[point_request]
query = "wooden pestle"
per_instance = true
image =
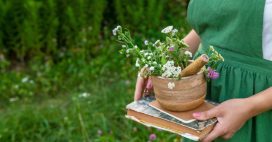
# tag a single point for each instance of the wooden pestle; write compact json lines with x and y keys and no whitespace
{"x":195,"y":66}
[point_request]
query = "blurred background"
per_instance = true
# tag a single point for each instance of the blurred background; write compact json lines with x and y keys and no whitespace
{"x":62,"y":78}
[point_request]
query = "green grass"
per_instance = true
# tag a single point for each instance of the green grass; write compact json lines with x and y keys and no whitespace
{"x":73,"y":100}
{"x":75,"y":117}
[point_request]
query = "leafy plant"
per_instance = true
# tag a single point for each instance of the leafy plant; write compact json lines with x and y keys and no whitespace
{"x":162,"y":58}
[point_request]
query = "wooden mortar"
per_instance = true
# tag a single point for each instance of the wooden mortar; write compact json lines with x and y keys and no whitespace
{"x":187,"y":93}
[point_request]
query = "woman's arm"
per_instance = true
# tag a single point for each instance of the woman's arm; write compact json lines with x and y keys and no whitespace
{"x":260,"y":102}
{"x":192,"y":39}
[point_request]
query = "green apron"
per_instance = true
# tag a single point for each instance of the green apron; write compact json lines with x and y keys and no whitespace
{"x":234,"y":28}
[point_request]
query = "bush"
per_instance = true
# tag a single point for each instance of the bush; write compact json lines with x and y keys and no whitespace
{"x":35,"y":28}
{"x":48,"y":41}
{"x":43,"y":28}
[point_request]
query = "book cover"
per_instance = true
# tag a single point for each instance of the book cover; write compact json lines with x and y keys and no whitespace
{"x":187,"y":116}
{"x":147,"y":112}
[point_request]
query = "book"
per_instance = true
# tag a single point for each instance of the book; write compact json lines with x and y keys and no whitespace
{"x":148,"y":112}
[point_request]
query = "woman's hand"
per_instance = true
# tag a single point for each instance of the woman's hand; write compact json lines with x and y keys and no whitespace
{"x":143,"y":85}
{"x":231,"y":116}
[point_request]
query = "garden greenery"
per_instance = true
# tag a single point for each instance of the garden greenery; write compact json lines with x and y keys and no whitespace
{"x":35,"y":28}
{"x":60,"y":69}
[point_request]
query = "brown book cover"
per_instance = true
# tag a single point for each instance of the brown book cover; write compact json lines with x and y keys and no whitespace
{"x":148,"y":112}
{"x":183,"y":116}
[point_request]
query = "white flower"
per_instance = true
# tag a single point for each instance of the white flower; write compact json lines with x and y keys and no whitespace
{"x":167,"y":29}
{"x":84,"y":95}
{"x":149,"y":57}
{"x":14,"y":99}
{"x":174,"y":32}
{"x":115,"y":30}
{"x":157,"y":43}
{"x":124,"y":46}
{"x":171,"y":85}
{"x":146,"y":54}
{"x":155,"y":63}
{"x":146,"y":42}
{"x":170,"y":71}
{"x":25,"y":79}
{"x":188,"y":53}
{"x":146,"y":65}
{"x":137,"y":64}
{"x":135,"y":46}
{"x":151,"y":68}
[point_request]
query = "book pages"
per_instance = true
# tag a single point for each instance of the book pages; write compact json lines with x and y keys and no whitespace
{"x":142,"y":106}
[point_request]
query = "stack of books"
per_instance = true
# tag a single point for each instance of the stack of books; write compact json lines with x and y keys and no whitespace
{"x":148,"y":112}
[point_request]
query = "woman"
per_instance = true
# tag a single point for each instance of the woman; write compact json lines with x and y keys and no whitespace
{"x":242,"y":32}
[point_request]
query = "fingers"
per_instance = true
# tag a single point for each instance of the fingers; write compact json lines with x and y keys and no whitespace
{"x":216,"y":132}
{"x":149,"y":84}
{"x":228,"y":136}
{"x":206,"y":114}
{"x":139,"y":88}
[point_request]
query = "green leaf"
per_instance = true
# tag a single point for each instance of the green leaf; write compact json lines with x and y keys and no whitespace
{"x":163,"y":60}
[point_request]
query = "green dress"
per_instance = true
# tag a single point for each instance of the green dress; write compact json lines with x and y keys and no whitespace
{"x":234,"y":28}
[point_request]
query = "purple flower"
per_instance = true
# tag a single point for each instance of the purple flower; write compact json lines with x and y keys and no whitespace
{"x":212,"y":74}
{"x":152,"y":137}
{"x":171,"y":48}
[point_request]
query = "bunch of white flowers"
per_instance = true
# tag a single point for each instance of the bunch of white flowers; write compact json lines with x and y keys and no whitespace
{"x":159,"y":56}
{"x":165,"y":58}
{"x":170,"y":71}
